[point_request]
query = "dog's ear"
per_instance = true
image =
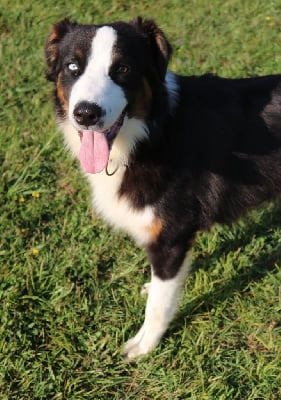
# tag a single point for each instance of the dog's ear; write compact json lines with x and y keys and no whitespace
{"x":160,"y":46}
{"x":59,"y":30}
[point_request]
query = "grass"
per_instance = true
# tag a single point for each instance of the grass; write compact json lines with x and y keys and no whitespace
{"x":69,"y":286}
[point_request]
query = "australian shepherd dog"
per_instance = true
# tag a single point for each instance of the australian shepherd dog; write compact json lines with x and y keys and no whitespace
{"x":165,"y":155}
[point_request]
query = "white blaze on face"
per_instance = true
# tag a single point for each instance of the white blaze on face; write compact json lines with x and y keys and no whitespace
{"x":95,"y":84}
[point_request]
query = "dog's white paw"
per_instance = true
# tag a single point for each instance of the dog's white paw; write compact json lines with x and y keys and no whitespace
{"x":145,"y":289}
{"x":141,"y":344}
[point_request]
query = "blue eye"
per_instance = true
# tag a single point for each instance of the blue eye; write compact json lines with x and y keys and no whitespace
{"x":73,"y":67}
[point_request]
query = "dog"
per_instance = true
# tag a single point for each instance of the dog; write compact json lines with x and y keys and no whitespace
{"x":166,"y":155}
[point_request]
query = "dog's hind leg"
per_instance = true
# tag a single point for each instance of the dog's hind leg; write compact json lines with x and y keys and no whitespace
{"x":162,"y":304}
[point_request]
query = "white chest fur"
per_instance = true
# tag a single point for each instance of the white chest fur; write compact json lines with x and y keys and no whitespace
{"x":141,"y":224}
{"x":118,"y":211}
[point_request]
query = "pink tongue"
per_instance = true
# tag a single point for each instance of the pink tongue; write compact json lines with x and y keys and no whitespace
{"x":94,"y":151}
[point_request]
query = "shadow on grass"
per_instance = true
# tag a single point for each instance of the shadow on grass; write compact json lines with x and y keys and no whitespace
{"x":261,"y":263}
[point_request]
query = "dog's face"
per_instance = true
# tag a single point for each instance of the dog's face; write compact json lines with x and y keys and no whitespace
{"x":105,"y":74}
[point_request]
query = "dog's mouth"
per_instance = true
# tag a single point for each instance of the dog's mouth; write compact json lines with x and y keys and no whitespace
{"x":95,"y":146}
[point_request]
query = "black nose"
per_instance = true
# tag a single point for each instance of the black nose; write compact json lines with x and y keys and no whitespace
{"x":87,"y":114}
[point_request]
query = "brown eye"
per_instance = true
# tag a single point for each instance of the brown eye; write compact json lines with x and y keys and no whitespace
{"x":123,"y":69}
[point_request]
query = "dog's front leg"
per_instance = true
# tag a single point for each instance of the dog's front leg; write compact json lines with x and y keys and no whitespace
{"x":162,"y":302}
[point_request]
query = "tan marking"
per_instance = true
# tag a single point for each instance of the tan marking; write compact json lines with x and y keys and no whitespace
{"x":52,"y":40}
{"x":52,"y":53}
{"x":162,"y":43}
{"x":143,"y":101}
{"x":79,"y":54}
{"x":154,"y":229}
{"x":61,"y":93}
{"x":52,"y":44}
{"x":54,"y":35}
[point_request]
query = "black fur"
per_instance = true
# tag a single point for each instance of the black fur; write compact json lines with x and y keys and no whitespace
{"x":217,"y":155}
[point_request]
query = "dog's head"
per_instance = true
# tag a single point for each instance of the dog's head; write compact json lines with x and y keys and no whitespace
{"x":105,"y":75}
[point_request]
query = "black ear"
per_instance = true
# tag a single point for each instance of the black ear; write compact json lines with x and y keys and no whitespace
{"x":58,"y":31}
{"x":161,"y":48}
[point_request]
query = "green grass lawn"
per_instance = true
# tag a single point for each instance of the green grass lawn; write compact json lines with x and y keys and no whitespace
{"x":70,"y":287}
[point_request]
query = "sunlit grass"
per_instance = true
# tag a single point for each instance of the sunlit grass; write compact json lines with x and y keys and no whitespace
{"x":70,"y":287}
